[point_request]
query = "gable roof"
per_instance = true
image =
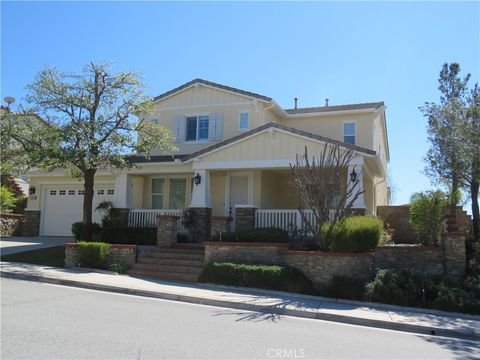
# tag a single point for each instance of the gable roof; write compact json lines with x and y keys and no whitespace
{"x":320,"y":109}
{"x":278,"y":126}
{"x":212,"y":84}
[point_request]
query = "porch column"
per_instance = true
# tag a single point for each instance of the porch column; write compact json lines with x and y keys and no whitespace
{"x":123,"y":191}
{"x":357,"y":168}
{"x":201,"y":192}
{"x":200,"y":210}
{"x":121,"y":200}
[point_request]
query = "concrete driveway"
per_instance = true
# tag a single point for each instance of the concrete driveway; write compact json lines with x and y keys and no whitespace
{"x":17,"y":244}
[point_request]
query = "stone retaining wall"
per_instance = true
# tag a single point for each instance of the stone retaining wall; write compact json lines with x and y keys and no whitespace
{"x":426,"y":260}
{"x":11,"y":224}
{"x":242,"y":252}
{"x":322,"y":267}
{"x":119,"y":254}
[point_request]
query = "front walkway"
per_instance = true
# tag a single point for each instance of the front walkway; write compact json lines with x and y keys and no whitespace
{"x":15,"y":244}
{"x":273,"y":303}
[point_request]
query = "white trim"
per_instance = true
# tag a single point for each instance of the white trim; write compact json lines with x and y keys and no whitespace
{"x":246,"y":206}
{"x":327,"y":113}
{"x":240,"y":112}
{"x":210,"y":87}
{"x":354,"y":122}
{"x":158,"y":108}
{"x":269,"y":129}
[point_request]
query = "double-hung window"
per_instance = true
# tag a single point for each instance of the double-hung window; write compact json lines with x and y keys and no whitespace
{"x":243,"y":120}
{"x":197,"y":128}
{"x":349,"y":133}
{"x":158,"y":189}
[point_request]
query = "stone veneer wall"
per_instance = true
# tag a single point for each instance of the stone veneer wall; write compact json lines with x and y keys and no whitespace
{"x":31,"y":225}
{"x":218,"y":224}
{"x":321,"y":267}
{"x":455,"y":255}
{"x":245,"y":253}
{"x":166,"y":230}
{"x":426,"y":260}
{"x":119,"y":254}
{"x":11,"y":224}
{"x":199,"y":229}
{"x":244,"y":218}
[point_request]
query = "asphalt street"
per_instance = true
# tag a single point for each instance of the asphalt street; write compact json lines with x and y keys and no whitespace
{"x":43,"y":321}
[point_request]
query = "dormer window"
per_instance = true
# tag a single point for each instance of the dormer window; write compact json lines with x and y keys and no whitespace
{"x":197,"y":128}
{"x":243,"y":124}
{"x":349,"y":133}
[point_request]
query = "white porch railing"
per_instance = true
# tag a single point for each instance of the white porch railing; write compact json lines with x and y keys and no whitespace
{"x":148,"y":217}
{"x":286,"y":219}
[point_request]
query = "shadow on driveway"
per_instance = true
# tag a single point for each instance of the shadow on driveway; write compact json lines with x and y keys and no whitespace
{"x":16,"y":244}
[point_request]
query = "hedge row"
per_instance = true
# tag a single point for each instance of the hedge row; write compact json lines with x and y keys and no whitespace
{"x":270,"y":277}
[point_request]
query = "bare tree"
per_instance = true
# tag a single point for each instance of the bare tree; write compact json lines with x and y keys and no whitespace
{"x":322,"y":187}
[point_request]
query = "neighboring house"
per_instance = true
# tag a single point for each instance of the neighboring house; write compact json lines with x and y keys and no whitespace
{"x":239,"y":145}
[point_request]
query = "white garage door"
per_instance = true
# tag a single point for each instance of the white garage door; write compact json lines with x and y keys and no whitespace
{"x":63,"y":205}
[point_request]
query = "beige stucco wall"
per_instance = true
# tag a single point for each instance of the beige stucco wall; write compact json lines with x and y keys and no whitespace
{"x":332,"y":126}
{"x":276,"y":192}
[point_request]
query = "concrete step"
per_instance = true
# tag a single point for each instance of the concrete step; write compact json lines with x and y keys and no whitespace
{"x":165,"y":275}
{"x":170,"y":261}
{"x":168,"y":268}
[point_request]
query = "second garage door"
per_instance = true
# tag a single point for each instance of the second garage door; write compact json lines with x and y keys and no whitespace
{"x":63,"y":206}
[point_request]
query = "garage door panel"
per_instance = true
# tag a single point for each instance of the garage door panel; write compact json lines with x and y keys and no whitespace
{"x":64,"y":205}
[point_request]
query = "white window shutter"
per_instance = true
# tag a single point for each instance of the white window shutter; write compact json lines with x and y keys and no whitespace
{"x":179,"y":128}
{"x":212,"y":124}
{"x":219,"y":126}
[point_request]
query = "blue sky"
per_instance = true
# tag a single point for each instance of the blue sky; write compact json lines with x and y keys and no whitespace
{"x":348,"y":52}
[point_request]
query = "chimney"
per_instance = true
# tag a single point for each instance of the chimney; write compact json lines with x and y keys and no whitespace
{"x":295,"y":99}
{"x":326,"y":102}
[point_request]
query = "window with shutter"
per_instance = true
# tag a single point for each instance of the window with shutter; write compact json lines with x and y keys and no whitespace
{"x":349,"y":133}
{"x":197,"y":128}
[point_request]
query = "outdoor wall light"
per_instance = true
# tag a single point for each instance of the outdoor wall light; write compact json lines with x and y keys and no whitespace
{"x":353,"y":176}
{"x":197,"y":179}
{"x":32,"y":190}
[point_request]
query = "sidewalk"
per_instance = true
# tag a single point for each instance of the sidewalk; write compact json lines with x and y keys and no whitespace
{"x":420,"y":321}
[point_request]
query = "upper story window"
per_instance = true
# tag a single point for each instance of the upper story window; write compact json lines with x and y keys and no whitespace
{"x":197,"y":128}
{"x":349,"y":133}
{"x":243,"y":120}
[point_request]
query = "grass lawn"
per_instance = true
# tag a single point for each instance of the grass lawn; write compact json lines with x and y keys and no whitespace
{"x":53,"y":256}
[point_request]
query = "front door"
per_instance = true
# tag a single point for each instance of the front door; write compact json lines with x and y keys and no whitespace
{"x":238,"y":192}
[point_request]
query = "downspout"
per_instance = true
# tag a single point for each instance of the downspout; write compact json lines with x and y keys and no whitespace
{"x":263,"y":112}
{"x":375,"y":192}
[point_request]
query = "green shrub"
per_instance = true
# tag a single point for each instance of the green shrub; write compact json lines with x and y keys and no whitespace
{"x":93,"y":254}
{"x":427,"y":212}
{"x":270,"y":277}
{"x":346,"y":288}
{"x":77,"y":230}
{"x":399,"y":288}
{"x":355,"y":234}
{"x":463,"y":299}
{"x":7,"y":200}
{"x":129,"y":235}
{"x":268,"y":235}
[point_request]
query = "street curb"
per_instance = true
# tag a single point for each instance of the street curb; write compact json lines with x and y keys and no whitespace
{"x":411,"y":328}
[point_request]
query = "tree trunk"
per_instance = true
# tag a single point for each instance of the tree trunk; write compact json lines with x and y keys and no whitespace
{"x":474,"y":187}
{"x":453,"y":195}
{"x":88,"y":177}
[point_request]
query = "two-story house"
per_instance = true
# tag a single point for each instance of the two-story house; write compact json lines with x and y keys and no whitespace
{"x":235,"y":151}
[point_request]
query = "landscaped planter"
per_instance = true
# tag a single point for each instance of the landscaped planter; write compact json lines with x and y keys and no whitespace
{"x":244,"y":252}
{"x":122,"y":254}
{"x":11,"y":224}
